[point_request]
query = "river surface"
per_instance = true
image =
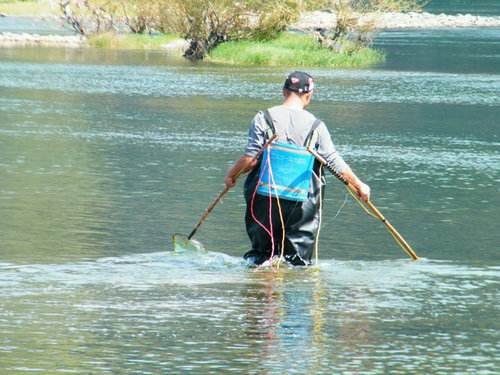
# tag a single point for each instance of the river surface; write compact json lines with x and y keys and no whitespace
{"x":104,"y":155}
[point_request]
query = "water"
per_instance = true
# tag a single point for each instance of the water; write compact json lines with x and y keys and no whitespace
{"x":34,"y":25}
{"x":477,"y":7}
{"x":167,"y":312}
{"x":104,"y":155}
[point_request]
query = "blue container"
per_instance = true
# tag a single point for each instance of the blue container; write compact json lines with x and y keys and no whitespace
{"x":289,"y":173}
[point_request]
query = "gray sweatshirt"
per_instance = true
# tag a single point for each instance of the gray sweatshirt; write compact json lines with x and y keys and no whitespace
{"x":293,"y":126}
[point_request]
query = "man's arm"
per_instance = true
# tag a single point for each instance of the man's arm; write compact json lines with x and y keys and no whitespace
{"x":362,"y":189}
{"x":336,"y":163}
{"x":255,"y":144}
{"x":242,"y":165}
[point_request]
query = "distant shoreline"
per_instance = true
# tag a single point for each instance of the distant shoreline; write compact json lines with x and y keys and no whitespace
{"x":392,"y":20}
{"x":308,"y":22}
{"x":33,"y":40}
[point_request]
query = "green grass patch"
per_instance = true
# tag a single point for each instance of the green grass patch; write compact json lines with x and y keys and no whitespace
{"x":291,"y":49}
{"x":130,"y":41}
{"x":33,"y":8}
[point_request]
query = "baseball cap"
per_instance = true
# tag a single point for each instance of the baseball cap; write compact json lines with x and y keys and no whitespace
{"x":300,"y":82}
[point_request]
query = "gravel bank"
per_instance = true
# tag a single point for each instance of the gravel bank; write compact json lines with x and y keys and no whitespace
{"x":25,"y":39}
{"x":412,"y":20}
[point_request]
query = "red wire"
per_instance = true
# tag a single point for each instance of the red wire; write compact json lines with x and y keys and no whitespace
{"x":270,"y":179}
{"x":270,"y":230}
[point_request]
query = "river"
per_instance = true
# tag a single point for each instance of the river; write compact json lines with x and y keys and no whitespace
{"x":105,"y":154}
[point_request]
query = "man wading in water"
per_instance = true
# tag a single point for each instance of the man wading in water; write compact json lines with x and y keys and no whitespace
{"x":283,"y":189}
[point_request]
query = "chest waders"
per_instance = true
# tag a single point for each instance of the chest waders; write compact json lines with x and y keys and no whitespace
{"x":283,"y":200}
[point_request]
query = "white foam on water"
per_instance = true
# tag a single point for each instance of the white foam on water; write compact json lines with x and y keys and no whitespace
{"x":199,"y":267}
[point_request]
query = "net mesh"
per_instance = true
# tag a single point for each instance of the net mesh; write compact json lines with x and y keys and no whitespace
{"x":182,"y":244}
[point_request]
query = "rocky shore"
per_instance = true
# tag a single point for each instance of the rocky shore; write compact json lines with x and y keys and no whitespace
{"x":308,"y":22}
{"x":412,"y":20}
{"x":25,"y":39}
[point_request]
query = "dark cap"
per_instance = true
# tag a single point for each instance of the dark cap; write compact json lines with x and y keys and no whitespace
{"x":299,"y":82}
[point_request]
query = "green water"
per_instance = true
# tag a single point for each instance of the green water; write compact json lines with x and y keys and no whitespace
{"x":104,"y":155}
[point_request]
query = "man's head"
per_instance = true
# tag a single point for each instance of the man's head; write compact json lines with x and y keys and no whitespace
{"x":299,"y":84}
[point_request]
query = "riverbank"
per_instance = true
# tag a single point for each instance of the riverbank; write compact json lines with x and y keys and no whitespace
{"x":136,"y":41}
{"x":392,"y":20}
{"x":164,"y":42}
{"x":293,"y":49}
{"x":28,"y":40}
{"x":308,"y":22}
{"x":289,"y":49}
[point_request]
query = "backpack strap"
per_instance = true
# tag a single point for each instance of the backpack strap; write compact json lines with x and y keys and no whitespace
{"x":269,"y":121}
{"x":310,"y":137}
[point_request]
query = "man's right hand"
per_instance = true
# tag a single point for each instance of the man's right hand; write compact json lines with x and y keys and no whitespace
{"x":243,"y":164}
{"x":229,"y":181}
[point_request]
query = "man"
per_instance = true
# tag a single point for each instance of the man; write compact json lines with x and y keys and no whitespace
{"x":283,"y":189}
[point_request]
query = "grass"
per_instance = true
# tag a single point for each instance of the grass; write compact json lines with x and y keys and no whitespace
{"x":130,"y":41}
{"x":32,"y":8}
{"x":291,"y":49}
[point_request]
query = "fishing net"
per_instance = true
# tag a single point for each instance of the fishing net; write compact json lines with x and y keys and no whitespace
{"x":182,"y":243}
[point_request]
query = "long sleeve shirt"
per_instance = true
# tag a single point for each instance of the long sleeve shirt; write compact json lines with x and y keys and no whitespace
{"x":293,"y":125}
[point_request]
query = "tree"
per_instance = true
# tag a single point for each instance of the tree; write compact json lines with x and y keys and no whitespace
{"x":141,"y":16}
{"x":89,"y":17}
{"x":348,"y":25}
{"x":207,"y":23}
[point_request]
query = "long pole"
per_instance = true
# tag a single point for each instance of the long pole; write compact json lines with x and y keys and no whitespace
{"x":225,"y":190}
{"x":397,"y":236}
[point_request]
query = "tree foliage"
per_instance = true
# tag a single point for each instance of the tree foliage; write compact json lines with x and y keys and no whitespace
{"x":141,"y":16}
{"x":89,"y":16}
{"x":207,"y":23}
{"x":348,"y":26}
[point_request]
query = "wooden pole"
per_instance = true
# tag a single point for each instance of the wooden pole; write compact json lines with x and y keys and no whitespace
{"x":225,"y":190}
{"x":406,"y":247}
{"x":397,"y":236}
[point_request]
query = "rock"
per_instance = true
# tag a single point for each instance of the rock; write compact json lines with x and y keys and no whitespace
{"x":3,"y":15}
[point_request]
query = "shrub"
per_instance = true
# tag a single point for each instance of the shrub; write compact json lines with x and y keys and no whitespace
{"x":141,"y":16}
{"x":348,"y":13}
{"x":89,"y":17}
{"x":207,"y":23}
{"x":291,"y":49}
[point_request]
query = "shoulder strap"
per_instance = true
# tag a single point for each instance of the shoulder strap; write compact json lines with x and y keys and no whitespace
{"x":310,"y":136}
{"x":270,"y":123}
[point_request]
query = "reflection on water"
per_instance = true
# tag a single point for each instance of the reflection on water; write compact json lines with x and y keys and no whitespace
{"x":210,"y":314}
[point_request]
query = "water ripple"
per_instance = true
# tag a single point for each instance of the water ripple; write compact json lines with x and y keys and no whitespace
{"x":207,"y":313}
{"x":371,"y":86}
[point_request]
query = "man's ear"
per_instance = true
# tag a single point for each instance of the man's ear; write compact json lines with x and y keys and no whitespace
{"x":307,"y":98}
